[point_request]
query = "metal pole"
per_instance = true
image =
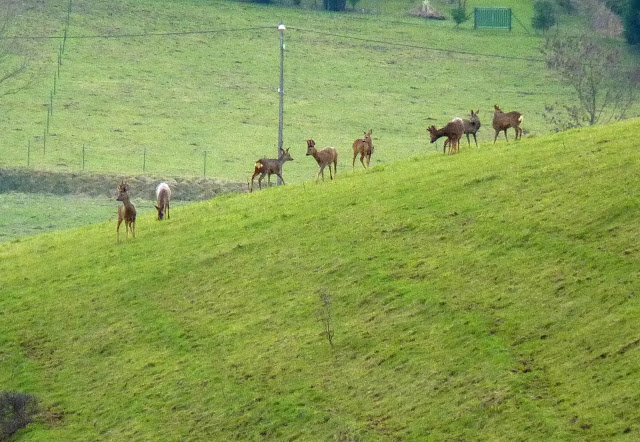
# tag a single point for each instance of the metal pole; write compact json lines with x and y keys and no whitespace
{"x":281,"y":28}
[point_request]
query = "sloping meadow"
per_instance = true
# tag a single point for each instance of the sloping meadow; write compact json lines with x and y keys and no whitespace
{"x":491,"y":294}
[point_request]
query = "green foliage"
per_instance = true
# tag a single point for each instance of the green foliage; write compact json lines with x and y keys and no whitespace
{"x":354,"y":3}
{"x":489,"y":295}
{"x":459,"y":15}
{"x":335,"y":5}
{"x":632,"y":22}
{"x":544,"y":15}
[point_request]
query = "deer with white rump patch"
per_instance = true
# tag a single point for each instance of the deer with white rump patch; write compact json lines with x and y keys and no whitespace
{"x":324,"y":158}
{"x":126,"y":212}
{"x":163,"y":195}
{"x":363,"y":147}
{"x":453,"y":131}
{"x":265,"y":166}
{"x":503,"y":121}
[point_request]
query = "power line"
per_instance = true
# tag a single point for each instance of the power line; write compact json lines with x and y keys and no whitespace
{"x":139,"y":35}
{"x":426,"y":48}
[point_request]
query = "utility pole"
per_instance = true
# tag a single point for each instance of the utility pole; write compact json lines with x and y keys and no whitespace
{"x":281,"y":28}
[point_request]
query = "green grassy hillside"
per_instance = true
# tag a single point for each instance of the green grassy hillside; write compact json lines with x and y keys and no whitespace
{"x":181,"y":78}
{"x":489,"y":295}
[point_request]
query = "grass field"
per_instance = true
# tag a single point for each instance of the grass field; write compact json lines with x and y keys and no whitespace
{"x":491,"y":295}
{"x":177,"y":92}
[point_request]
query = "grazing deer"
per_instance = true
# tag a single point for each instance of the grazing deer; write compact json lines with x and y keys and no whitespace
{"x":163,"y":195}
{"x":364,"y":147}
{"x":126,"y":212}
{"x":267,"y":167}
{"x":324,"y":157}
{"x":453,"y":131}
{"x":502,"y":122}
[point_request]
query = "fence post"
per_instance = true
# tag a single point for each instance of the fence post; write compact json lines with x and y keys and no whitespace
{"x":83,"y":157}
{"x":28,"y":152}
{"x":44,"y":146}
{"x":205,"y":165}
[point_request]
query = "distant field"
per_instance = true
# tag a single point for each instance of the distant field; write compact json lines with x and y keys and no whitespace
{"x":176,"y":95}
{"x":28,"y":214}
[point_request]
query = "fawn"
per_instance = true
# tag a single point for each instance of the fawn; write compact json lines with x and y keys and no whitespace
{"x":502,"y":122}
{"x":324,"y":157}
{"x":364,"y":147}
{"x":163,"y":195}
{"x":126,"y":212}
{"x":265,"y":166}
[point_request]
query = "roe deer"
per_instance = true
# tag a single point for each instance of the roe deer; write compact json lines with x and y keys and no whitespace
{"x":453,"y":131}
{"x":163,"y":195}
{"x":324,"y":157}
{"x":265,"y":166}
{"x":471,"y":127}
{"x":126,"y":212}
{"x":502,"y":122}
{"x":364,"y":147}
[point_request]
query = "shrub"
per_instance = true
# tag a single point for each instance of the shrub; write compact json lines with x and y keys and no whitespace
{"x":632,"y":22}
{"x":544,"y":15}
{"x":16,"y":412}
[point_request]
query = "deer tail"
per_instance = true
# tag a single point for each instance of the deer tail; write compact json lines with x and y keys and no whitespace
{"x":521,"y":118}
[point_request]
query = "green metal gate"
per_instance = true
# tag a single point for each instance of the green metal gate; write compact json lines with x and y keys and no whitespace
{"x":492,"y":18}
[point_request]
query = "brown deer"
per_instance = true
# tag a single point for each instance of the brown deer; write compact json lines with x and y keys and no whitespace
{"x":502,"y":122}
{"x":453,"y":131}
{"x":126,"y":212}
{"x":265,"y":166}
{"x":364,"y":147}
{"x":163,"y":195}
{"x":324,"y":157}
{"x":471,"y":127}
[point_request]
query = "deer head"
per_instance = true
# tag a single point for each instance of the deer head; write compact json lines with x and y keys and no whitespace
{"x":123,"y":190}
{"x":285,"y":156}
{"x":311,"y":146}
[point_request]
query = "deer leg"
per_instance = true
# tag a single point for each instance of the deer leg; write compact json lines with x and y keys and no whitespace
{"x":353,"y":163}
{"x":474,"y":139}
{"x":133,"y":228}
{"x":469,"y":141}
{"x":167,"y":210}
{"x":505,"y":135}
{"x":362,"y":160}
{"x":282,"y":179}
{"x":260,"y":181}
{"x":368,"y":160}
{"x":496,"y":137}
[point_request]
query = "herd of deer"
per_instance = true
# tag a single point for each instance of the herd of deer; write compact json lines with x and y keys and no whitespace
{"x":325,"y":157}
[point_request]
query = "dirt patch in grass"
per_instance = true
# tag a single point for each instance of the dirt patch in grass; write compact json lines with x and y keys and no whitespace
{"x":92,"y":185}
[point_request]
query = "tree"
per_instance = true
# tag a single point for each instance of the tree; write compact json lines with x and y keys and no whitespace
{"x":605,"y":88}
{"x":335,"y":5}
{"x":632,"y":22}
{"x":544,"y":15}
{"x":459,"y":14}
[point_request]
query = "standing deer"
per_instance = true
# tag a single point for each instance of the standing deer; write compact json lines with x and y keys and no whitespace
{"x":453,"y":131}
{"x":324,"y":157}
{"x":502,"y":122}
{"x":126,"y":212}
{"x":364,"y":147}
{"x":471,"y":127}
{"x":267,"y":167}
{"x":163,"y":195}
